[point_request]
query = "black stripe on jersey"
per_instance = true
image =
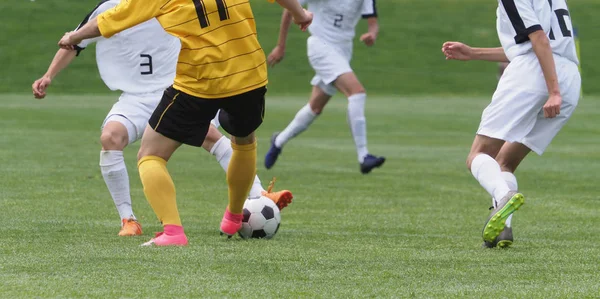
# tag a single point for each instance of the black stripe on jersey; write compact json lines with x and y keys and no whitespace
{"x":551,"y":34}
{"x":517,"y":22}
{"x":85,"y":20}
{"x":236,"y":56}
{"x":230,"y":24}
{"x":222,"y":9}
{"x":201,"y":12}
{"x":216,"y":46}
{"x":371,"y":15}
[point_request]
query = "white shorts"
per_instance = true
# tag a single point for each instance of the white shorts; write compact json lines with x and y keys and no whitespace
{"x":134,"y":111}
{"x":515,"y":113}
{"x":329,"y":62}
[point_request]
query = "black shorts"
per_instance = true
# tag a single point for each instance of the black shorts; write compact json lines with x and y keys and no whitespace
{"x":186,"y":118}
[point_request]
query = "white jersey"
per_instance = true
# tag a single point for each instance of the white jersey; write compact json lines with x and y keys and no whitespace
{"x":516,"y":19}
{"x":334,"y":21}
{"x":138,"y":60}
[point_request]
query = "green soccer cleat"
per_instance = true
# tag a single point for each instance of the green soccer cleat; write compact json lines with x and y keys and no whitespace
{"x":504,"y":240}
{"x":511,"y":202}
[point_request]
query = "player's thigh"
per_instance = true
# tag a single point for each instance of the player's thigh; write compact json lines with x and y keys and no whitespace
{"x":133,"y":111}
{"x":318,"y":99}
{"x":242,"y":114}
{"x":512,"y":113}
{"x":511,"y":155}
{"x":156,"y":144}
{"x":182,"y":117}
{"x":328,"y":61}
{"x":348,"y":84}
{"x":545,"y":129}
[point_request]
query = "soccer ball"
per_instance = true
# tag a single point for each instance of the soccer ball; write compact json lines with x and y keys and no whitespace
{"x":261,"y":218}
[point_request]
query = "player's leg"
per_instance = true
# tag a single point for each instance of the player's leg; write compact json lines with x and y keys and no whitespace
{"x":220,"y":147}
{"x":240,"y":115}
{"x":178,"y":118}
{"x":303,"y":119}
{"x":118,"y":130}
{"x":488,"y":173}
{"x":510,"y":156}
{"x":350,"y":86}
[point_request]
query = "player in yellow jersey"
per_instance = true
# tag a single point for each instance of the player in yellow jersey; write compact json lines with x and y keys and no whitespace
{"x":221,"y":66}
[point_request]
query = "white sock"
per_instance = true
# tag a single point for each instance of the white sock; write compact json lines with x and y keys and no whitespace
{"x":511,"y":181}
{"x":222,"y":151}
{"x":358,"y":123}
{"x":114,"y":172}
{"x":487,"y":171}
{"x":299,"y":124}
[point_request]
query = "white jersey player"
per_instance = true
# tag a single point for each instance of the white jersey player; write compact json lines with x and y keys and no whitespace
{"x":535,"y":97}
{"x":329,"y":52}
{"x":141,"y":62}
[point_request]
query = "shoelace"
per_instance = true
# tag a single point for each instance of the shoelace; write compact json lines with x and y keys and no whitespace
{"x":271,"y":185}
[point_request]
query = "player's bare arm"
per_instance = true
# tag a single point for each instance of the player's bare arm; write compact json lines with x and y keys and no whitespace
{"x":60,"y":61}
{"x":543,"y":51}
{"x":278,"y":52}
{"x":372,"y":32}
{"x":70,"y":39}
{"x":301,"y":16}
{"x":460,"y":51}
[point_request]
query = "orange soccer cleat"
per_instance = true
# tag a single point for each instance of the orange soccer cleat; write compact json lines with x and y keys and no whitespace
{"x":130,"y":227}
{"x":281,"y":198}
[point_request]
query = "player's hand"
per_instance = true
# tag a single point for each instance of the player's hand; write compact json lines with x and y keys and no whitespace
{"x":303,"y":21}
{"x":457,"y":51}
{"x":39,"y":87}
{"x":368,"y":38}
{"x":276,"y":56}
{"x":552,"y":106}
{"x":68,"y":41}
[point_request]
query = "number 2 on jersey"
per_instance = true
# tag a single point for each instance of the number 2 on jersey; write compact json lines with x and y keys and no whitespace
{"x":337,"y":22}
{"x":203,"y":14}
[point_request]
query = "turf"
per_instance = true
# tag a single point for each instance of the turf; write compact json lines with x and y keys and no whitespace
{"x":409,"y":229}
{"x":405,"y":60}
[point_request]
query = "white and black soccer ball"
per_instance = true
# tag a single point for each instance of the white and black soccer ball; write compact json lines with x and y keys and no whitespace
{"x":261,"y":218}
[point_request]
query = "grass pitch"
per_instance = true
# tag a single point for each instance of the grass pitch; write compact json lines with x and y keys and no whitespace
{"x":409,"y":229}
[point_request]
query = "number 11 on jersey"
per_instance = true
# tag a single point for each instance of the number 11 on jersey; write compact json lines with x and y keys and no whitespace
{"x":203,"y":14}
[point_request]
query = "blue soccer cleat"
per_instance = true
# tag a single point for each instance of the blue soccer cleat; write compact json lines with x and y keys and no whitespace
{"x":273,"y":152}
{"x":371,"y":162}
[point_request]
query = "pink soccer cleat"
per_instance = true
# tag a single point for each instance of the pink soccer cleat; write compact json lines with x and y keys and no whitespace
{"x":163,"y":239}
{"x":231,"y":223}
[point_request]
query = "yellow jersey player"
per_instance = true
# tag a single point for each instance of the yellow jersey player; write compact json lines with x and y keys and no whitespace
{"x":222,"y":66}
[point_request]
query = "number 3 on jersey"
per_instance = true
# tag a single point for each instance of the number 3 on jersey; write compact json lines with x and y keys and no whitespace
{"x":203,"y":14}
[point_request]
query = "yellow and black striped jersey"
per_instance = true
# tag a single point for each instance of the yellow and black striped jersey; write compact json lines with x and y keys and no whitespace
{"x":220,"y":53}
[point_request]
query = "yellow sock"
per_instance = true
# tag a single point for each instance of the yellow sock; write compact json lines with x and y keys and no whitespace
{"x":159,"y":189}
{"x":240,"y":175}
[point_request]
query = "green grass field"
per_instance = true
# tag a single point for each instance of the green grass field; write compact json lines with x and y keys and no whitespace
{"x":409,"y":229}
{"x":405,"y":61}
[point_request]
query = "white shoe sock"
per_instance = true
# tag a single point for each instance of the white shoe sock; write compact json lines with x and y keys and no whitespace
{"x":487,"y":172}
{"x":299,"y":124}
{"x":222,"y":151}
{"x":511,"y":181}
{"x":114,"y":172}
{"x":358,"y":123}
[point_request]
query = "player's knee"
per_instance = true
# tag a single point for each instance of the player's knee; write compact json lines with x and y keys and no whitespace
{"x":316,"y":108}
{"x":469,"y":161}
{"x":112,"y":140}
